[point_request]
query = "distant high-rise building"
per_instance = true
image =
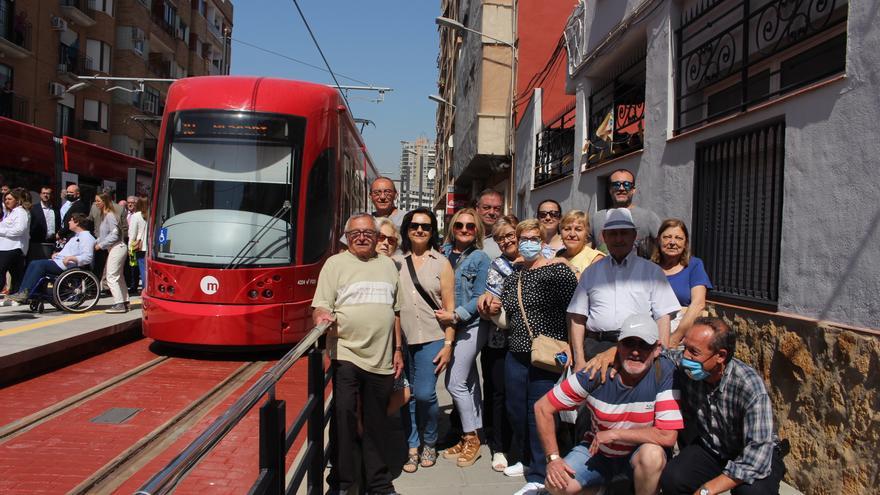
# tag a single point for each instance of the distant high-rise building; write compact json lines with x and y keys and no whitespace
{"x":416,"y":174}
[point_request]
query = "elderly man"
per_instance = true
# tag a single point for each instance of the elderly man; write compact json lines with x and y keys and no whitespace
{"x":635,"y":417}
{"x":614,"y":288}
{"x":357,"y":291}
{"x":730,"y":441}
{"x":622,"y":188}
{"x":490,"y":206}
{"x":382,"y":194}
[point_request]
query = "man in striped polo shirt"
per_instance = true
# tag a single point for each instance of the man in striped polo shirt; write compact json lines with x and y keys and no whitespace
{"x":635,"y":415}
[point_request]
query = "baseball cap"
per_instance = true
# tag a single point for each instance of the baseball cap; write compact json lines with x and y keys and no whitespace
{"x":619,"y":218}
{"x":641,"y":326}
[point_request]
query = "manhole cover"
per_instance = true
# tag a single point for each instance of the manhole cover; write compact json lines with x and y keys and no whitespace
{"x":115,"y":415}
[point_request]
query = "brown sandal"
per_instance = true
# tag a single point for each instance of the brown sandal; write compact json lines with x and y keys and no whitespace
{"x":429,"y":457}
{"x":412,"y":463}
{"x":454,"y":451}
{"x":471,"y":451}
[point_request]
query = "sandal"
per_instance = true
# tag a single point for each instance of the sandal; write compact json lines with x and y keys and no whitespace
{"x":471,"y":451}
{"x":499,"y":462}
{"x":429,"y":457}
{"x":454,"y":451}
{"x":412,"y":463}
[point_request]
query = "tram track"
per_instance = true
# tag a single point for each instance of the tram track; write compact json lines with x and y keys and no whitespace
{"x":25,"y":424}
{"x":115,"y":472}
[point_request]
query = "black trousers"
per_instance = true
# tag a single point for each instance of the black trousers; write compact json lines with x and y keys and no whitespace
{"x":350,"y":385}
{"x":11,"y":261}
{"x":695,"y":465}
{"x":496,"y":426}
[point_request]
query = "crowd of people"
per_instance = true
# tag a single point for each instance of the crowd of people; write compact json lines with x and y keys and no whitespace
{"x":38,"y":238}
{"x":598,"y":364}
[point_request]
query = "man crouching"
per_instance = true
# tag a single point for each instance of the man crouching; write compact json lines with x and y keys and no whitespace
{"x":635,"y":417}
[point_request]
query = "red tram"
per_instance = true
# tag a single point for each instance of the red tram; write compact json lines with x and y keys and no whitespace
{"x":254,"y":180}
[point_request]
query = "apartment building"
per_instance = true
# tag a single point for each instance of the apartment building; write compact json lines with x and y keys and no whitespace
{"x":45,"y":45}
{"x":417,"y":174}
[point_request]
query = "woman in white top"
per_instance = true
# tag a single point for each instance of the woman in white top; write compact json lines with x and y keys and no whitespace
{"x":14,"y":236}
{"x":137,"y":237}
{"x":110,"y":240}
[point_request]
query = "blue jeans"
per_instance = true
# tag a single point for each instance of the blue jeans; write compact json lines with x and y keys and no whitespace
{"x":142,"y":268}
{"x":525,"y":385}
{"x":36,"y":270}
{"x":424,"y":408}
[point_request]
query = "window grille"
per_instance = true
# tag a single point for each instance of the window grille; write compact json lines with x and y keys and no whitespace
{"x":738,"y":212}
{"x":616,"y":123}
{"x":735,"y":53}
{"x":554,"y":154}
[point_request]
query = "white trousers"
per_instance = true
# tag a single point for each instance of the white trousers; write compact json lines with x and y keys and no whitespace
{"x":117,"y":256}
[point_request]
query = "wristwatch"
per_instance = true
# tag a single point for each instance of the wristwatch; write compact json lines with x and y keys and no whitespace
{"x":704,"y":490}
{"x":551,"y":457}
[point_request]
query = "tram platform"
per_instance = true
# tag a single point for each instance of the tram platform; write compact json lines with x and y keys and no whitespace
{"x":31,"y":343}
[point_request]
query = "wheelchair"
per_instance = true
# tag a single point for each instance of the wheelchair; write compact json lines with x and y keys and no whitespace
{"x":74,"y":291}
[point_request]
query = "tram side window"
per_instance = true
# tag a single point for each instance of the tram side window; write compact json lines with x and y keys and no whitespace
{"x":319,"y":208}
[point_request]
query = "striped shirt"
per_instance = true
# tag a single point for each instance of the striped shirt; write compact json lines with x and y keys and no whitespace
{"x":651,"y":402}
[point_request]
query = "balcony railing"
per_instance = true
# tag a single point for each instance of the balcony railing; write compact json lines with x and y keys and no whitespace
{"x":81,"y":12}
{"x":554,"y":155}
{"x":617,"y":115}
{"x":159,"y":65}
{"x":16,"y":29}
{"x":13,"y":106}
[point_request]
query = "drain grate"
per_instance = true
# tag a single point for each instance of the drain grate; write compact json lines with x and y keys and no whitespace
{"x":115,"y":415}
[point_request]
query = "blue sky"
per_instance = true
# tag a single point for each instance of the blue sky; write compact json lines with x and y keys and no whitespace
{"x":389,"y":43}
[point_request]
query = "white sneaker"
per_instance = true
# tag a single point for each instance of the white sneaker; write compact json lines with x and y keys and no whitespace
{"x":531,"y":488}
{"x":516,"y":470}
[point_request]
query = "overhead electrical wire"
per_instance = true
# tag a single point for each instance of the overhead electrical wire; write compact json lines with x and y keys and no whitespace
{"x":318,"y":46}
{"x":287,"y":57}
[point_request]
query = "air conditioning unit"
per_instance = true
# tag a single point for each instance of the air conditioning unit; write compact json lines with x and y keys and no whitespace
{"x":58,"y":24}
{"x":56,"y":90}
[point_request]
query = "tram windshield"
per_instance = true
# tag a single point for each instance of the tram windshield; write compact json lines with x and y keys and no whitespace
{"x":226,"y":199}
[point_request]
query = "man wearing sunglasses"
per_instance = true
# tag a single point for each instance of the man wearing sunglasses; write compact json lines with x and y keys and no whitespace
{"x":636,"y":417}
{"x":622,"y":188}
{"x":382,"y":194}
{"x":357,"y":293}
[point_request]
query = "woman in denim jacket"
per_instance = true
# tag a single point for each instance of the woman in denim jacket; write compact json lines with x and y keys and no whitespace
{"x":463,"y":248}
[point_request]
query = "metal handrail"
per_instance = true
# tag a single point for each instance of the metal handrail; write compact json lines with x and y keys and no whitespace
{"x":166,"y":479}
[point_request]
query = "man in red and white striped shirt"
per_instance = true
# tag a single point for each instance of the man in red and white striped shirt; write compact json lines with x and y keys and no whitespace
{"x":636,"y":416}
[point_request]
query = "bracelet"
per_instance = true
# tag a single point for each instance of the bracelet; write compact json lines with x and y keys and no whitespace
{"x":447,"y":343}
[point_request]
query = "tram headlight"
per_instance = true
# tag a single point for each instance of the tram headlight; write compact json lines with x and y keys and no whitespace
{"x":253,"y":294}
{"x":268,"y":293}
{"x":161,"y":288}
{"x":171,"y":289}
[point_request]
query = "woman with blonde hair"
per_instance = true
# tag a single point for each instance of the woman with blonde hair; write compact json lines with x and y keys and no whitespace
{"x":388,"y":239}
{"x":110,"y":241}
{"x":574,"y":229}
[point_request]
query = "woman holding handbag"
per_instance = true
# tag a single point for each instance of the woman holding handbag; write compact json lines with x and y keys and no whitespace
{"x":471,"y":264}
{"x":426,"y":285}
{"x":535,"y":300}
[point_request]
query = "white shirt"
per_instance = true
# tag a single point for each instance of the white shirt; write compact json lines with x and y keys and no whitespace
{"x":82,"y":246}
{"x":65,"y":207}
{"x":49,"y":213}
{"x":14,"y":230}
{"x":137,"y":231}
{"x":609,"y":292}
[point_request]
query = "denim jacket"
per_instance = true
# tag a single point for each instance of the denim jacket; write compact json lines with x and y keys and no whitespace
{"x":470,"y":283}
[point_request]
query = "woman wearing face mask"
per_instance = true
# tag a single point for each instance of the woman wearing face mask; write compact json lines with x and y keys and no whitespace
{"x":685,"y":273}
{"x":463,"y":249}
{"x":542,"y":288}
{"x":496,"y":424}
{"x":574,"y":228}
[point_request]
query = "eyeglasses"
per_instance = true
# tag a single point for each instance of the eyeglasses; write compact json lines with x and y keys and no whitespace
{"x":382,"y":192}
{"x":550,"y":214}
{"x":626,"y":185}
{"x":426,"y":227}
{"x":529,"y":239}
{"x":636,"y":343}
{"x":387,"y":238}
{"x":465,"y":226}
{"x":509,"y":237}
{"x":354,"y":234}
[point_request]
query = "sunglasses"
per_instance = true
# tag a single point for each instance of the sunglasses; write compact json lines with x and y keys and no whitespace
{"x":464,"y":226}
{"x":626,"y":185}
{"x":636,"y":343}
{"x":426,"y":227}
{"x":354,"y":234}
{"x":550,"y":214}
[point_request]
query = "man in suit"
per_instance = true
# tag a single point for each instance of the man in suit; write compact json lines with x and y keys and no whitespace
{"x":76,"y":206}
{"x":45,"y":222}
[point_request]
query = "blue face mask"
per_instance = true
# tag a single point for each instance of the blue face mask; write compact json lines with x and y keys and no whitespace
{"x":529,"y":249}
{"x":693,"y":369}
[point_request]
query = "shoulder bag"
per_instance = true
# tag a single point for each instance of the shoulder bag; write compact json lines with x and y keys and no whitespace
{"x":544,"y":348}
{"x":419,"y":288}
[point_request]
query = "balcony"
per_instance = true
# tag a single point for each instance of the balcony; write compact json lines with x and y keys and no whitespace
{"x":15,"y":42}
{"x":79,"y":12}
{"x":159,"y":65}
{"x":13,"y":106}
{"x":554,"y":155}
{"x":69,"y":61}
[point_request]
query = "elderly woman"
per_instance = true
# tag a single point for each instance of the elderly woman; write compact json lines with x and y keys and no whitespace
{"x":14,"y":236}
{"x":497,"y":426}
{"x":388,"y":239}
{"x":542,"y":288}
{"x":427,"y":283}
{"x":574,"y":229}
{"x":685,"y":273}
{"x":110,"y":242}
{"x":463,"y":248}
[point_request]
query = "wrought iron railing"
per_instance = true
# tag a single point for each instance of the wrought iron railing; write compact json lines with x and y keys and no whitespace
{"x":13,"y":106}
{"x":617,"y":115}
{"x":275,"y":439}
{"x":726,"y":48}
{"x":16,"y":28}
{"x":738,"y":186}
{"x":85,"y":6}
{"x":554,"y":154}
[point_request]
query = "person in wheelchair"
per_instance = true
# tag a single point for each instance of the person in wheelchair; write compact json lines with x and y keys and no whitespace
{"x":78,"y":251}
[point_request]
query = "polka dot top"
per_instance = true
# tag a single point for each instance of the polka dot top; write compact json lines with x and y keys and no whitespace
{"x":546,"y":292}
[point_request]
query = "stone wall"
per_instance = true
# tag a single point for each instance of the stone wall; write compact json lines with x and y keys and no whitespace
{"x":824,"y":383}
